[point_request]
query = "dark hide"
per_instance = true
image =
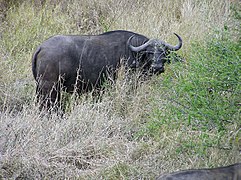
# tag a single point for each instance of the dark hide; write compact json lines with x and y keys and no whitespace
{"x":80,"y":63}
{"x":232,"y":172}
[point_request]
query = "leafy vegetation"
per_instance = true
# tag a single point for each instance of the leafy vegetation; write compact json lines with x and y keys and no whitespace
{"x":204,"y":96}
{"x":188,"y":117}
{"x":206,"y":93}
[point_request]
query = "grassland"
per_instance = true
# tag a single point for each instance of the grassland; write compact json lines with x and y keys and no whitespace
{"x":188,"y":117}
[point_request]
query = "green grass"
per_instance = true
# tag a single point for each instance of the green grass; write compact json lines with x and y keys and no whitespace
{"x":188,"y":117}
{"x":203,"y":93}
{"x":201,"y":96}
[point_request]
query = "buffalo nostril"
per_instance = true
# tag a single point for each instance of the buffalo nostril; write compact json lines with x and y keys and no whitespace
{"x":161,"y":70}
{"x":158,"y":68}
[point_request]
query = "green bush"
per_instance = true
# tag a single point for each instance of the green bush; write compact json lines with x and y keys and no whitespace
{"x":204,"y":91}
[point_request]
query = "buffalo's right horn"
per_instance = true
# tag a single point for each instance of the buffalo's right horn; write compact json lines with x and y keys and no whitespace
{"x":171,"y":47}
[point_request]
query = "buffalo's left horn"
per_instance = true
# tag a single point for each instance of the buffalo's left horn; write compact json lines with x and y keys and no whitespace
{"x":138,"y":48}
{"x":173,"y":48}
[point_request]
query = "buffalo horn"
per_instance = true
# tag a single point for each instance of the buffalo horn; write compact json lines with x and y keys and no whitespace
{"x":170,"y":47}
{"x":138,"y":48}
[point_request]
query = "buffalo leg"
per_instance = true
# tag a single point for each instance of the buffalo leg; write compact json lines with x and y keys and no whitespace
{"x":48,"y":95}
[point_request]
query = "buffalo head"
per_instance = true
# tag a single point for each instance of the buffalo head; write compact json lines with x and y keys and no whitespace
{"x":155,"y":51}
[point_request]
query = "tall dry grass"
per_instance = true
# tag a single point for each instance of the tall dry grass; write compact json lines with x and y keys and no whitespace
{"x":101,"y":140}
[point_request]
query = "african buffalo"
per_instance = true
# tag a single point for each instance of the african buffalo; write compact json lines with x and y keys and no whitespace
{"x":80,"y":63}
{"x":232,"y":172}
